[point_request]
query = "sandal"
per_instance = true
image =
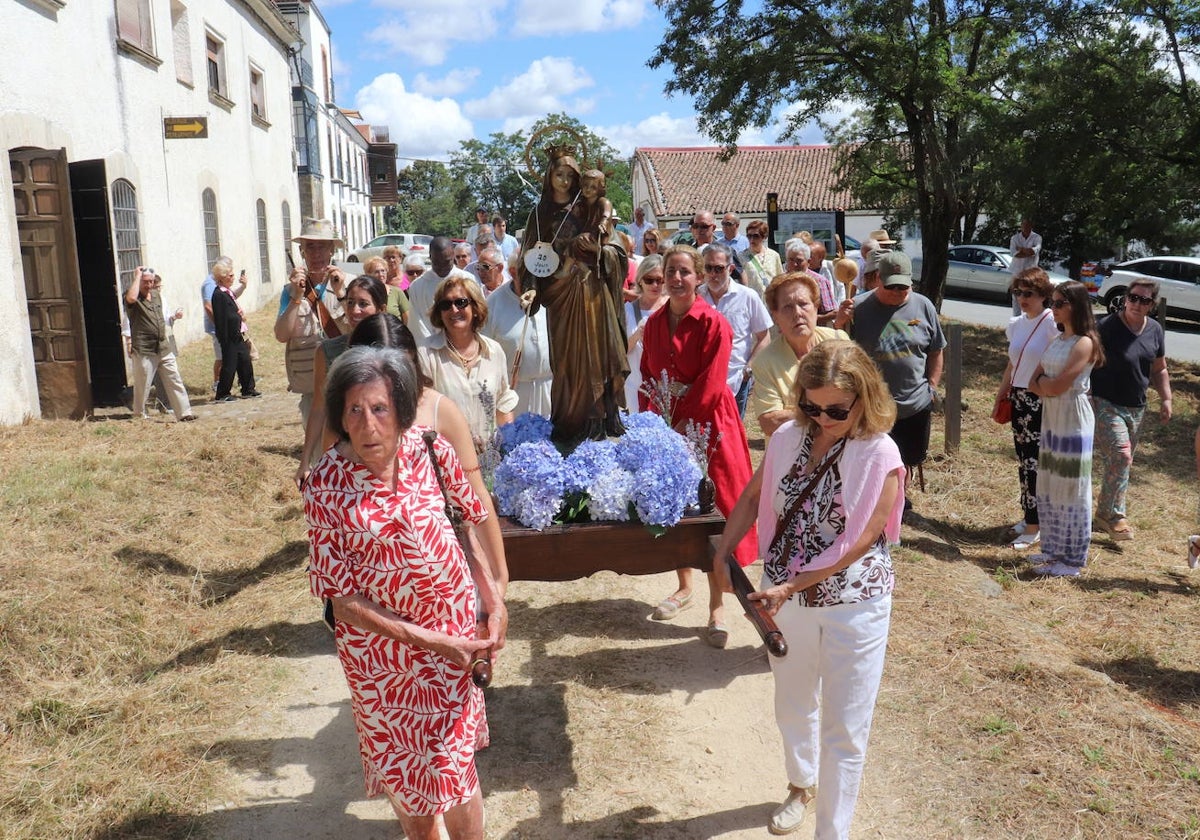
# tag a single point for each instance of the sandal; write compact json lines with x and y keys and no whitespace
{"x":1119,"y":529}
{"x":670,"y":607}
{"x":716,"y":634}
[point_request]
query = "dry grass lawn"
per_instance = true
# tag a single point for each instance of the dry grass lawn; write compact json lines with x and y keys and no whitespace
{"x":152,"y":592}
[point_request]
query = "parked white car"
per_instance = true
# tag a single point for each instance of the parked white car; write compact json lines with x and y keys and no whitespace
{"x":1178,"y":279}
{"x":408,"y":243}
{"x":981,"y":270}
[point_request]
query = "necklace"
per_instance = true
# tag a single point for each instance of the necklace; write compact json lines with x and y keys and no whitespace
{"x":462,"y":358}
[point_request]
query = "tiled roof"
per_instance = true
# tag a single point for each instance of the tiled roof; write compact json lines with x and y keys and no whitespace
{"x":684,"y":180}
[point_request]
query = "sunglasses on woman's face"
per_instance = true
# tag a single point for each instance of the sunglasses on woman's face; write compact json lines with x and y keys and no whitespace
{"x":1130,"y":297}
{"x":458,"y":303}
{"x":1024,"y":293}
{"x":834,"y":412}
{"x":1059,"y":303}
{"x":414,"y":272}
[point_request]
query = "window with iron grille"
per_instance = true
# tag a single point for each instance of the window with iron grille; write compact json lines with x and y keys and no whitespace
{"x":125,"y":227}
{"x":212,"y":236}
{"x":264,"y":256}
{"x":287,"y":232}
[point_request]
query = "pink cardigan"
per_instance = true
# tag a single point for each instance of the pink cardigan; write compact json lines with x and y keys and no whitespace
{"x":864,"y":464}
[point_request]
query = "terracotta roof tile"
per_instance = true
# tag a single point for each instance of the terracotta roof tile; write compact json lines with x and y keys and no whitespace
{"x":684,"y":180}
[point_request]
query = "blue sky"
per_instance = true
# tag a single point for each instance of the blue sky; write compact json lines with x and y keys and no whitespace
{"x":440,"y":71}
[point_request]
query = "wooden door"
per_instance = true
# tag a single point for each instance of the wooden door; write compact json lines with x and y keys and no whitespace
{"x":47,"y":240}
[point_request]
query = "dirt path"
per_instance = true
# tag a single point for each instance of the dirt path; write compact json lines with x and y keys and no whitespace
{"x":604,"y":724}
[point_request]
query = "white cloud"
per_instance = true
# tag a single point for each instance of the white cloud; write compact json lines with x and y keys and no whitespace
{"x":452,"y":84}
{"x":426,"y":29}
{"x":536,"y":92}
{"x":422,"y":126}
{"x":656,"y":130}
{"x":548,"y":17}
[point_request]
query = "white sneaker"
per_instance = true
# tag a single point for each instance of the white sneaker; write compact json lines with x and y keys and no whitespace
{"x":1193,"y":551}
{"x":789,"y":816}
{"x":1026,"y":540}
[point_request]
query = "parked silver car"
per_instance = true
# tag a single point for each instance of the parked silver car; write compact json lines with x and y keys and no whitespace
{"x":981,"y":270}
{"x":1178,"y":279}
{"x":408,"y":243}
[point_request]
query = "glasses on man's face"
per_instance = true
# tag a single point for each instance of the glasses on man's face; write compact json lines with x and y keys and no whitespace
{"x":700,"y":226}
{"x":1059,"y":303}
{"x":488,"y":266}
{"x":457,"y":303}
{"x":715,"y":268}
{"x":1139,"y":299}
{"x":836,"y":413}
{"x":728,"y":224}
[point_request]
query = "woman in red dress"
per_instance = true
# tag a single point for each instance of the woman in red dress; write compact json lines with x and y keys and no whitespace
{"x":691,"y":342}
{"x":404,"y":595}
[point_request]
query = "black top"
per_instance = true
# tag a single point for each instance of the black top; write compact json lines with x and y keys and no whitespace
{"x":1125,"y":375}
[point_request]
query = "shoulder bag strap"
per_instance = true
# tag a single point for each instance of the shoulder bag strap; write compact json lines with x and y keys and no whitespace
{"x":328,"y":323}
{"x":785,"y":528}
{"x":1032,"y":332}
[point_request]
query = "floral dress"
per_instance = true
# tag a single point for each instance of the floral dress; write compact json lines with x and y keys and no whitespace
{"x":1064,"y":485}
{"x":418,"y":716}
{"x":822,"y":520}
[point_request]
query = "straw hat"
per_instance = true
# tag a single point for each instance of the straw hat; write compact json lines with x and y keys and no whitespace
{"x":319,"y":230}
{"x":881,"y":236}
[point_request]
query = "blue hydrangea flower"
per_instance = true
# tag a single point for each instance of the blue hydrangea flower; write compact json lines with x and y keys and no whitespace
{"x":586,"y":463}
{"x":610,"y":495}
{"x":529,"y":484}
{"x":526,"y":428}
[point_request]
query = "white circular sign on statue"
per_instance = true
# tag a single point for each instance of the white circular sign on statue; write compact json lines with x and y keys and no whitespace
{"x":541,"y":261}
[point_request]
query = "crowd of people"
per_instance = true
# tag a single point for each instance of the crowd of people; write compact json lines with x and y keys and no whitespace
{"x":837,"y":363}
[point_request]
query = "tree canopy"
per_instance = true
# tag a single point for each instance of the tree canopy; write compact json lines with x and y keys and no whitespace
{"x":958,"y":100}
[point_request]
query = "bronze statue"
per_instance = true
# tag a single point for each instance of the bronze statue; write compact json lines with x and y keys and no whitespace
{"x":578,"y":269}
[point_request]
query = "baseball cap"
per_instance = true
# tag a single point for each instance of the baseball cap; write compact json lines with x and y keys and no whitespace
{"x":895,"y":268}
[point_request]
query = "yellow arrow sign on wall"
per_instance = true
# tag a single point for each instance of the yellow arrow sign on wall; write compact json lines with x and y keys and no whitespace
{"x":175,"y":128}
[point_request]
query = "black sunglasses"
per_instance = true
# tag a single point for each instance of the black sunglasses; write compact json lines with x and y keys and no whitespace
{"x":1059,"y":303}
{"x":702,"y":227}
{"x":488,"y":266}
{"x":458,"y":303}
{"x":834,"y":412}
{"x":1024,"y":293}
{"x":1132,"y":298}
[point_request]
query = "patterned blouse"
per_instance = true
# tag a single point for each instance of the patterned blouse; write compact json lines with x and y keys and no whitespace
{"x":822,"y":519}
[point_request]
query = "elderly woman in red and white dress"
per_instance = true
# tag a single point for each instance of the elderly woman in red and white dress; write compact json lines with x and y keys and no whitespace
{"x":404,"y":594}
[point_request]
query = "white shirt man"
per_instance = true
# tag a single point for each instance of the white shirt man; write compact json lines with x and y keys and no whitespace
{"x":1026,"y":247}
{"x":746,"y":313}
{"x":481,"y":218}
{"x":505,"y":241}
{"x":637,"y":230}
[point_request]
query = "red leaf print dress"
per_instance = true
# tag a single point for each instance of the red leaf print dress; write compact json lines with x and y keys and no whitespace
{"x":418,"y":716}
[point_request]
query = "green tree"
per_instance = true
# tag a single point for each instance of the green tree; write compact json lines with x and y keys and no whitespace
{"x":1102,"y":144}
{"x":430,"y":201}
{"x":493,"y":174}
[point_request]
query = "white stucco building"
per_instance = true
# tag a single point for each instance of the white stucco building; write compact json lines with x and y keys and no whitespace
{"x":108,"y":168}
{"x":331,"y":151}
